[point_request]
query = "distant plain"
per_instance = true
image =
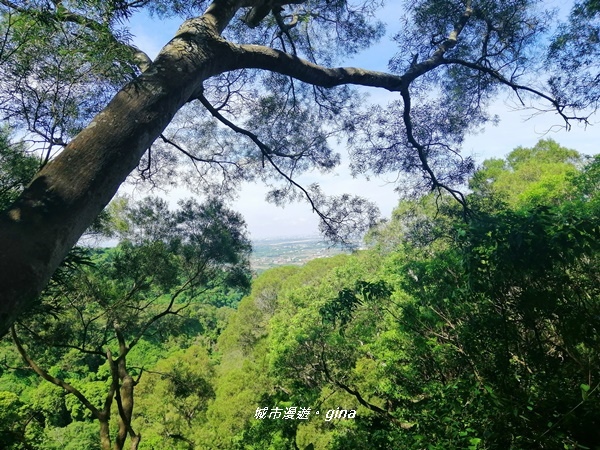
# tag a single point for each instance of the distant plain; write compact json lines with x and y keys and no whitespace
{"x":267,"y":253}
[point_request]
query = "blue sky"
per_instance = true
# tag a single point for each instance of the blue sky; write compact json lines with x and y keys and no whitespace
{"x":516,"y":128}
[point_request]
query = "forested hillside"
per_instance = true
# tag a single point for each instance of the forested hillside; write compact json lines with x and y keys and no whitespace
{"x":474,"y":329}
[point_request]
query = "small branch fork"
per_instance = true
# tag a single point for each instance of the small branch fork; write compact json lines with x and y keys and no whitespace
{"x":560,"y":109}
{"x":356,"y":394}
{"x":267,"y":153}
{"x":422,"y":152}
{"x":56,"y":381}
{"x":284,"y":28}
{"x":122,"y":383}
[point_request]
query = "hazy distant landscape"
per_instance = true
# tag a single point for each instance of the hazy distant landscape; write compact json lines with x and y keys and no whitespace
{"x":267,"y":253}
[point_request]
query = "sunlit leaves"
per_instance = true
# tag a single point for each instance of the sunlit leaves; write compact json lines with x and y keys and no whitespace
{"x":529,"y":176}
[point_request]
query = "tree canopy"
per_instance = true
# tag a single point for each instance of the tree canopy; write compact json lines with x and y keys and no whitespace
{"x":444,"y":333}
{"x":252,"y":91}
{"x":131,"y":296}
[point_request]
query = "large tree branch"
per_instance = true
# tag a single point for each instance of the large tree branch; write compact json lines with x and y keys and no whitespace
{"x":220,"y":12}
{"x":63,"y":199}
{"x":261,"y":57}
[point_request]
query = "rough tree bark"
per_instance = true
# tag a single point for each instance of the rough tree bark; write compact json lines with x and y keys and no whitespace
{"x":68,"y":193}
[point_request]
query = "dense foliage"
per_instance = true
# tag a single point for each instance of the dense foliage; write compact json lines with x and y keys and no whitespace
{"x":112,"y":314}
{"x":445,"y":333}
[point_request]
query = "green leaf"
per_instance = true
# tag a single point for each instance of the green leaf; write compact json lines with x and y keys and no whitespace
{"x":584,"y":391}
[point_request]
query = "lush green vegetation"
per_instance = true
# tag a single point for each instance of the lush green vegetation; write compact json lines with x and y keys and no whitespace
{"x":450,"y":331}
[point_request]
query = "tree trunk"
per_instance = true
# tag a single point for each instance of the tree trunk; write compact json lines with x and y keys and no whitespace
{"x":135,"y":442}
{"x":126,"y":405}
{"x":104,"y":435}
{"x":68,"y":193}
